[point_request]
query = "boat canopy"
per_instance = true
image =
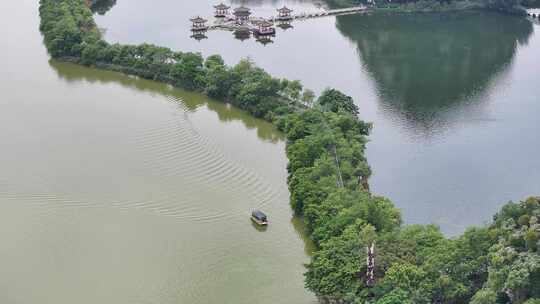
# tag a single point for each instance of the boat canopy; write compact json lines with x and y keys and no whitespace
{"x":259,"y":215}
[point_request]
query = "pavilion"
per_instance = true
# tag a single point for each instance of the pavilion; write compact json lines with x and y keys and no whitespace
{"x":284,"y":13}
{"x":199,"y":24}
{"x":222,"y":10}
{"x":242,"y":14}
{"x":265,"y":28}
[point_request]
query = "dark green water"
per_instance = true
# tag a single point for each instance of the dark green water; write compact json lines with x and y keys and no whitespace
{"x":457,"y":97}
{"x":119,"y":190}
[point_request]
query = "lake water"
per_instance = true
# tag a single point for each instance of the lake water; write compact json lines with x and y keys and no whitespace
{"x":120,"y":190}
{"x":454,"y":98}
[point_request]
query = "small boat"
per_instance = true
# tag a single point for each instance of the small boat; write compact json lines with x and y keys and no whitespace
{"x":259,"y":218}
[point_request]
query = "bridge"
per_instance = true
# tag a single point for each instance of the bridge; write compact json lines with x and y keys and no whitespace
{"x":325,"y":13}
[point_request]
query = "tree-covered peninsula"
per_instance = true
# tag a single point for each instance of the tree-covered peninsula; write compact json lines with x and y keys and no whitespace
{"x":328,"y":174}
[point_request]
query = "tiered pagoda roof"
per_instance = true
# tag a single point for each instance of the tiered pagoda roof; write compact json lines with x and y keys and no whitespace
{"x":242,"y":11}
{"x":198,"y":19}
{"x":285,"y":10}
{"x":222,"y":6}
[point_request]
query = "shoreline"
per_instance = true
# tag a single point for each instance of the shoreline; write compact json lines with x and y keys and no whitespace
{"x":429,"y":6}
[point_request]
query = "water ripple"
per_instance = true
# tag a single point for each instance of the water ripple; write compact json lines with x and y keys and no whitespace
{"x":187,"y":177}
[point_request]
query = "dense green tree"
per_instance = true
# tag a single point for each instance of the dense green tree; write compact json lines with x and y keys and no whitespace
{"x":189,"y":71}
{"x":335,"y":101}
{"x":308,"y":97}
{"x":292,"y":89}
{"x":218,"y":77}
{"x":514,"y":264}
{"x":396,"y":296}
{"x":337,"y":267}
{"x":484,"y":296}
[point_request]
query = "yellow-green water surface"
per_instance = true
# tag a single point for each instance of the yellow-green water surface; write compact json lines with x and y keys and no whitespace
{"x":118,"y":190}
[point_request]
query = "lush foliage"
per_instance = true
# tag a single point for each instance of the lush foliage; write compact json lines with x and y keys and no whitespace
{"x":417,"y":264}
{"x":67,"y":28}
{"x":514,"y":260}
{"x":328,"y":175}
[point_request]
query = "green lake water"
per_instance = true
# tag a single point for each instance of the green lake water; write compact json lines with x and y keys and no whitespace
{"x":119,"y":190}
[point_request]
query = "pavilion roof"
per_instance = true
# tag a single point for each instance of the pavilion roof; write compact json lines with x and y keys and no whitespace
{"x":198,"y":19}
{"x":242,"y":10}
{"x":284,"y":10}
{"x":222,"y":6}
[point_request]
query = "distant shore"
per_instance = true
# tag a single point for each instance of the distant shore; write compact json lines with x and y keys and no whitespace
{"x":435,"y":6}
